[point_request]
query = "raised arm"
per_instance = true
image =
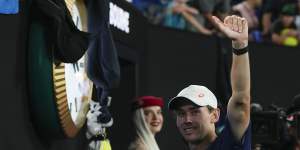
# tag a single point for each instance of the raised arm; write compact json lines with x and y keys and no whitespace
{"x":238,"y":109}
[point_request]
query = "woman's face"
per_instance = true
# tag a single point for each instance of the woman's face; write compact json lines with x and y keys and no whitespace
{"x":154,"y":118}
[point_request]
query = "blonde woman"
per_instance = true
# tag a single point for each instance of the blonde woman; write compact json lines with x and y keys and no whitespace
{"x":148,"y":121}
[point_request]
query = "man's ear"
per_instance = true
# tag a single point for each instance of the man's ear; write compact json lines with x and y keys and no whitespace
{"x":215,"y":115}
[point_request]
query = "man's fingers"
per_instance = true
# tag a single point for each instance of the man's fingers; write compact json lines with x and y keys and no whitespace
{"x":230,"y":21}
{"x":240,"y":25}
{"x":218,"y":22}
{"x":235,"y":23}
{"x":245,"y":25}
{"x":226,"y":20}
{"x":234,"y":27}
{"x":216,"y":19}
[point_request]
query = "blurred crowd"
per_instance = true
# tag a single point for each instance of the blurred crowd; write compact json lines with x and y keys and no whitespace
{"x":276,"y":21}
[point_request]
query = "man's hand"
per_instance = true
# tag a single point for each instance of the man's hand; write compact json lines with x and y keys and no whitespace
{"x":293,"y":33}
{"x":235,"y":28}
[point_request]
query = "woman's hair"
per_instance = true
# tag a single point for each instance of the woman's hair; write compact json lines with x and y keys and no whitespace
{"x":142,"y":130}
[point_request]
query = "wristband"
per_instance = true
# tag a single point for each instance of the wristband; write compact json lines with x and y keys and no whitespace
{"x":240,"y":51}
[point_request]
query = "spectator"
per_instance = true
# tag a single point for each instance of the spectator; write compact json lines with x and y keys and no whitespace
{"x":152,"y":9}
{"x":284,"y":31}
{"x":181,"y":16}
{"x":271,"y":11}
{"x":148,"y":120}
{"x":174,"y":12}
{"x":247,"y":10}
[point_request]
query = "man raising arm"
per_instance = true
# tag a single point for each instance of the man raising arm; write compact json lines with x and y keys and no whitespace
{"x":196,"y":106}
{"x":239,"y":104}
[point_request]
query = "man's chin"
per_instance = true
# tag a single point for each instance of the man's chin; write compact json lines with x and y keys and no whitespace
{"x":190,"y":138}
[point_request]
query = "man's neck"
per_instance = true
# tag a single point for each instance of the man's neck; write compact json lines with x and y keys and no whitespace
{"x":204,"y":144}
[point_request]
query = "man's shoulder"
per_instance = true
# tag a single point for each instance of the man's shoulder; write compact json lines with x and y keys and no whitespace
{"x":226,"y":139}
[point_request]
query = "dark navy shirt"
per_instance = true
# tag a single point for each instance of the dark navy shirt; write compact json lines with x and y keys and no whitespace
{"x":227,"y":141}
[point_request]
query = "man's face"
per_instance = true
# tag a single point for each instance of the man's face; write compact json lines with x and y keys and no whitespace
{"x":287,"y":20}
{"x":195,"y":123}
{"x":153,"y":118}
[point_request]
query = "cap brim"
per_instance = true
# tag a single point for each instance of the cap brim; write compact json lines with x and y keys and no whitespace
{"x":177,"y":101}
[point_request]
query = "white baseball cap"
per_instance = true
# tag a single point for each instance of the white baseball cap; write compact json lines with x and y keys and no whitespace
{"x":199,"y":95}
